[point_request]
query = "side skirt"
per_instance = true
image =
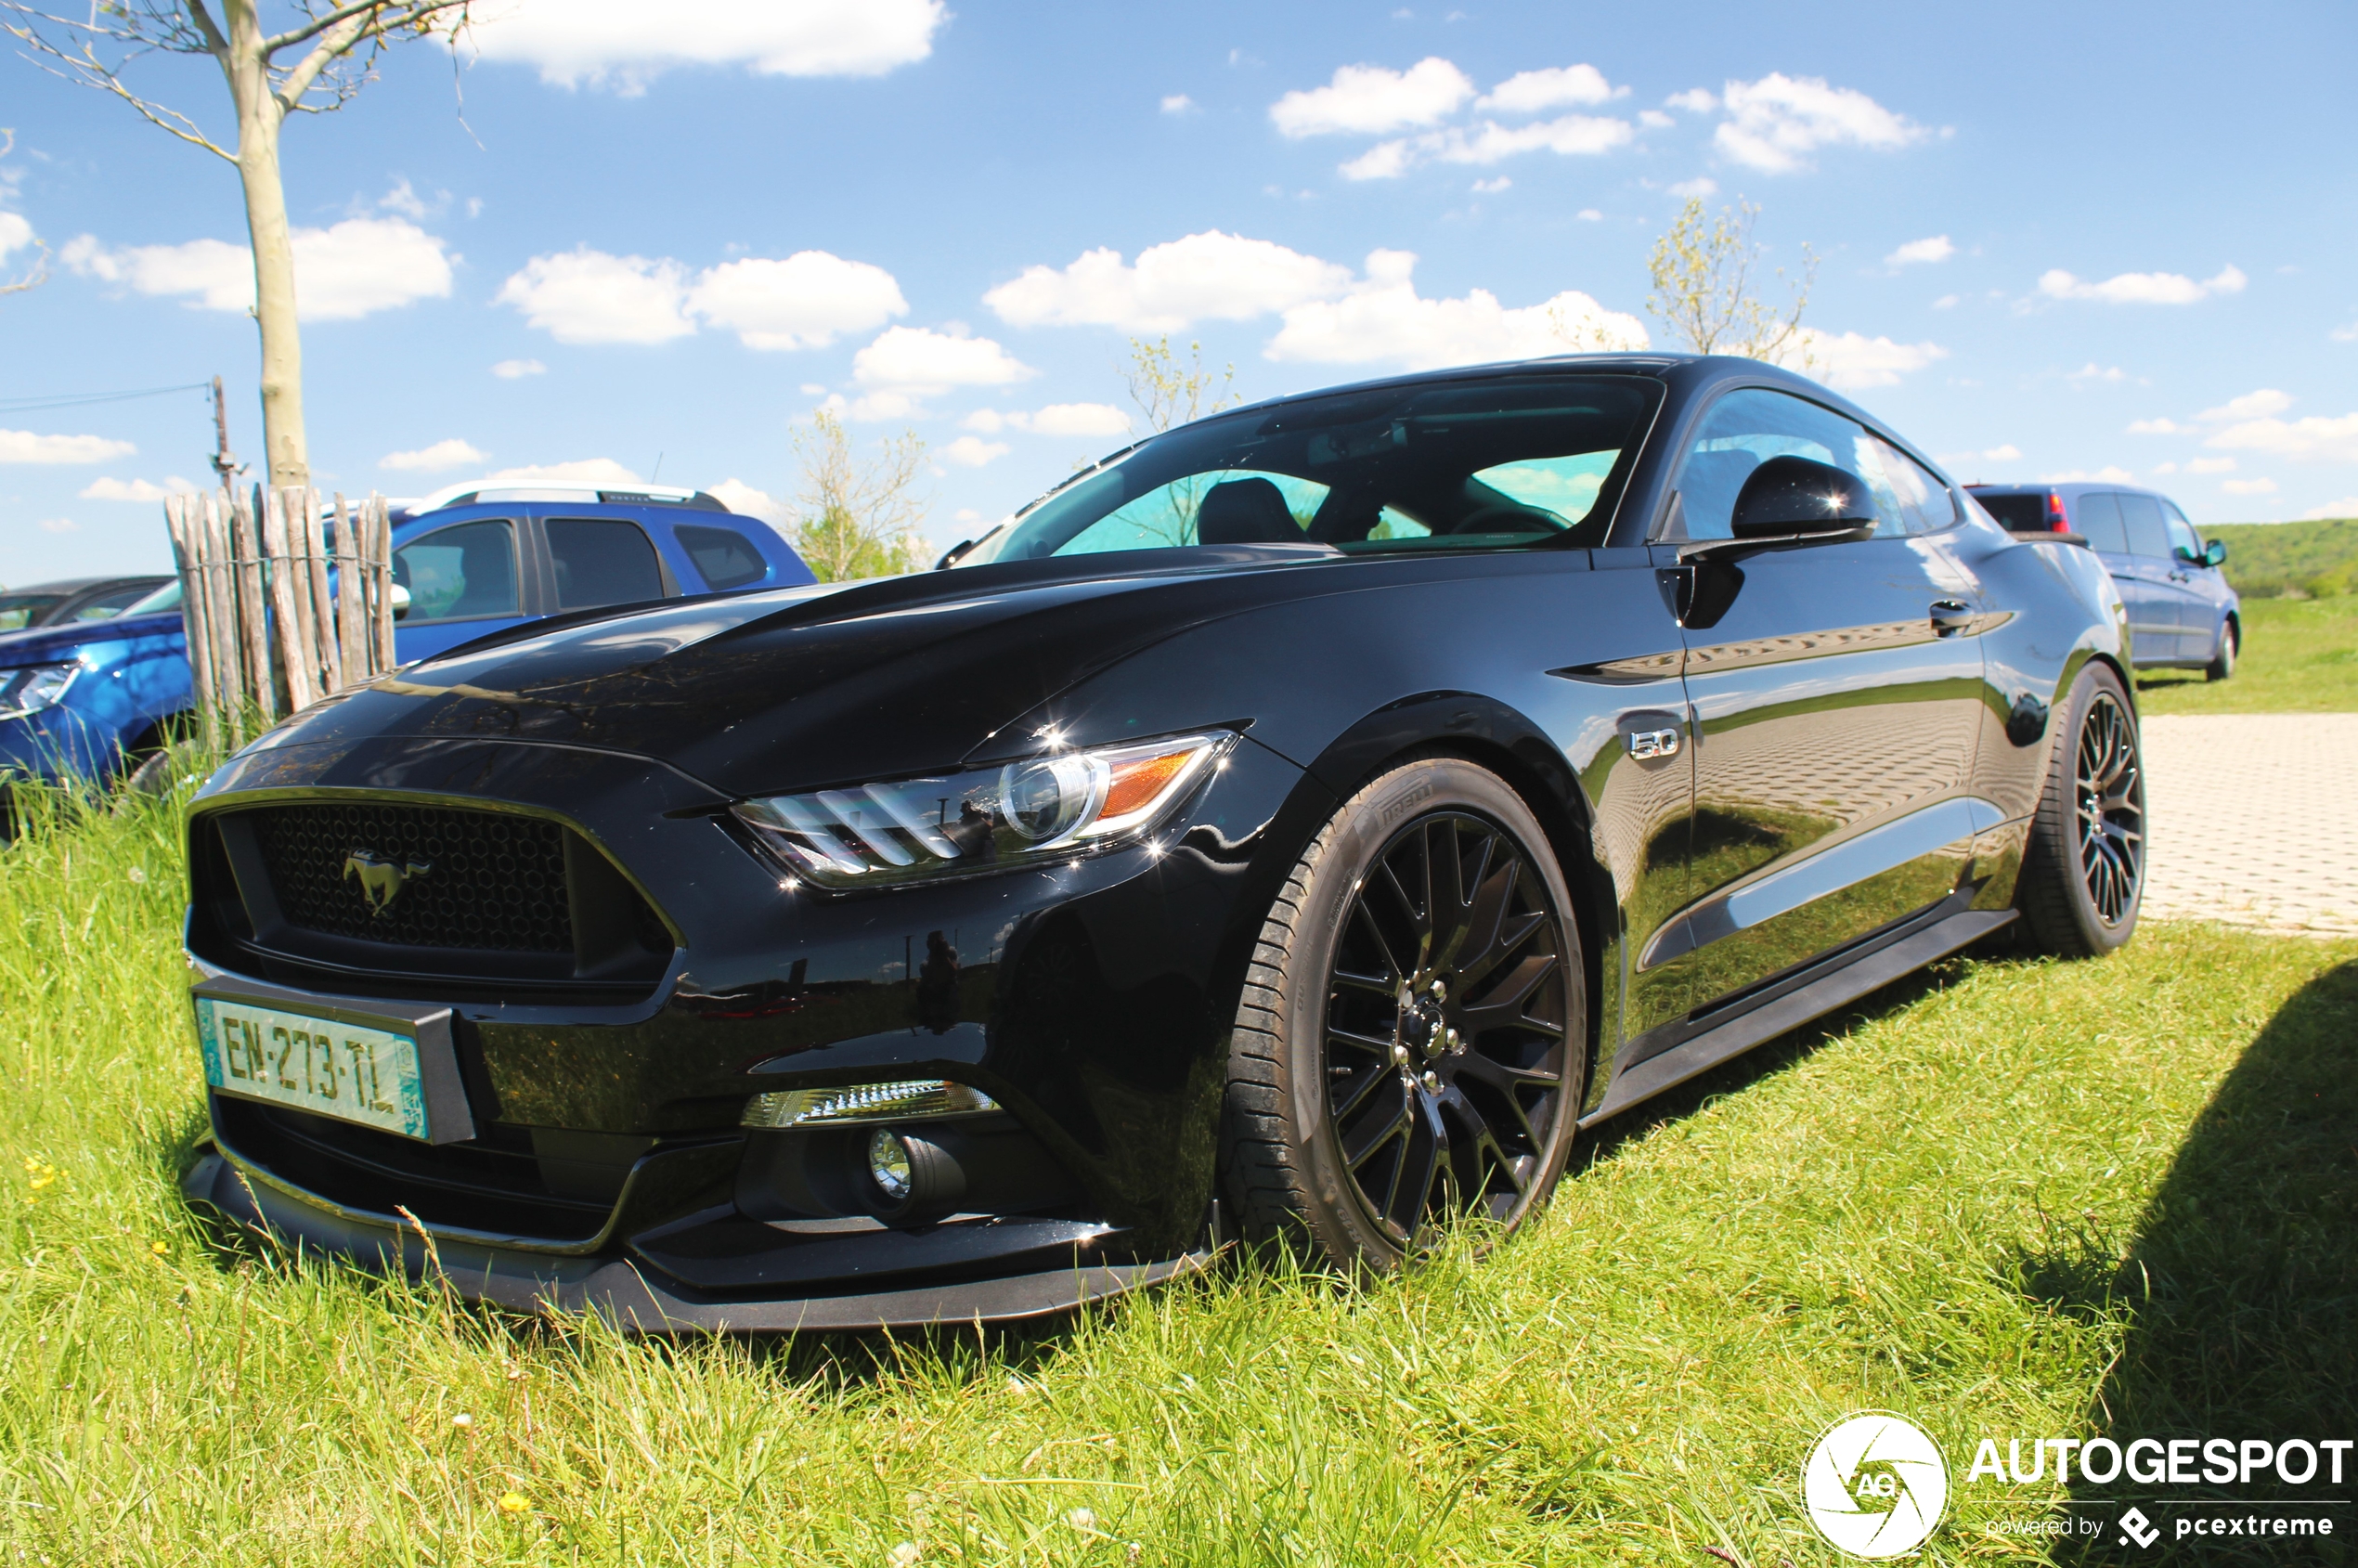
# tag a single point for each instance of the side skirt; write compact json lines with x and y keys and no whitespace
{"x":1741,"y":1033}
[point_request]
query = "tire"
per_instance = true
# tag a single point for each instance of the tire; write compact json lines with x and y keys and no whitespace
{"x":2083,"y":871}
{"x":1365,"y":1109}
{"x":153,"y":775}
{"x":2230,"y":645}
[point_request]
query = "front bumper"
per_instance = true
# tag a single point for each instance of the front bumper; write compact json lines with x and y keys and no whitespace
{"x":640,"y":1299}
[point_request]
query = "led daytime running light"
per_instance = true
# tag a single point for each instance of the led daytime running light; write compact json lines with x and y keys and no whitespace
{"x":909,"y":1100}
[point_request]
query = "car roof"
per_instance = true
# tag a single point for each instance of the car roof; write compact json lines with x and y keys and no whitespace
{"x":2068,"y":489}
{"x":489,"y":492}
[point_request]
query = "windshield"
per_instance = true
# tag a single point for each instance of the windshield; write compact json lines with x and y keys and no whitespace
{"x":1459,"y":465}
{"x":165,"y":598}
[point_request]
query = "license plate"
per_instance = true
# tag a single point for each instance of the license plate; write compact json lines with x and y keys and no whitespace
{"x":348,"y":1071}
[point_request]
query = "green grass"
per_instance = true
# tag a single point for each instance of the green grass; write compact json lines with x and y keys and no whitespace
{"x":2267,"y":558}
{"x":2012,"y":1198}
{"x":2299,"y":655}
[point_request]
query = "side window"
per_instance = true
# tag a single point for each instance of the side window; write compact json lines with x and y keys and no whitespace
{"x":1746,"y":428}
{"x":1906,"y":487}
{"x":2141,"y":516}
{"x":2100,"y":522}
{"x":107,"y":606}
{"x":601,"y":561}
{"x":2182,"y":533}
{"x":724,"y":558}
{"x":456,"y":573}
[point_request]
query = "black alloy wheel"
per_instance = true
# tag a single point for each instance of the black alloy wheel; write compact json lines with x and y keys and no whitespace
{"x":2083,"y":867}
{"x":2109,"y":799}
{"x":1444,"y":1032}
{"x":1412,"y":1043}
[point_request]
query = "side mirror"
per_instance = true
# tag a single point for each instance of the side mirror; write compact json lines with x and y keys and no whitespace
{"x":954,"y":555}
{"x":400,"y":600}
{"x":1788,"y":497}
{"x":2215,"y":553}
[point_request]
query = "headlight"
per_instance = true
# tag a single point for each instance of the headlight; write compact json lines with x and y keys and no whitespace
{"x":34,"y":688}
{"x":987,"y":819}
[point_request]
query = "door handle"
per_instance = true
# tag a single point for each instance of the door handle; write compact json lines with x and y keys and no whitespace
{"x":1950,"y":614}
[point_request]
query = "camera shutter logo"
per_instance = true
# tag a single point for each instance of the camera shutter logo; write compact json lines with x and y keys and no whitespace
{"x":1875,"y":1485}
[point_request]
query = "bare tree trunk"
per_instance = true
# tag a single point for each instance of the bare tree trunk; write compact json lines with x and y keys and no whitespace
{"x":259,"y":116}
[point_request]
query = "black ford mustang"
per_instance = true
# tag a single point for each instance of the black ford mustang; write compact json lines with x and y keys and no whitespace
{"x":1294,"y":827}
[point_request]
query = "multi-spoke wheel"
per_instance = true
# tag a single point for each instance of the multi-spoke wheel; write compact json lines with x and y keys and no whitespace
{"x":1413,"y":1037}
{"x":2084,"y":865}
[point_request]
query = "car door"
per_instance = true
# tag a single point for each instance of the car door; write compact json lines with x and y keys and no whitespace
{"x":464,"y":581}
{"x":2153,"y":624}
{"x":1834,"y":692}
{"x":2166,"y":597}
{"x":2198,"y":587}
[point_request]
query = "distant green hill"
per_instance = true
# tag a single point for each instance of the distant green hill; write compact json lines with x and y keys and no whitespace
{"x":2268,"y":559}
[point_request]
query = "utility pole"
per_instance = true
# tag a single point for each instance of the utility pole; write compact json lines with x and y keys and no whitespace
{"x":224,"y":463}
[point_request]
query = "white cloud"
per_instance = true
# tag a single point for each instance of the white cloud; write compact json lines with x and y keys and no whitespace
{"x":1370,"y":100}
{"x":2250,"y":406}
{"x":1573,"y":135}
{"x":874,"y":406}
{"x":354,"y":269}
{"x":515,"y":369}
{"x":2156,"y":427}
{"x":58,"y":525}
{"x":2004,"y":452}
{"x":1773,"y":124}
{"x":1492,"y":187}
{"x":15,"y":233}
{"x":1206,"y":276}
{"x":2080,"y":475}
{"x":2248,"y":487}
{"x":109,"y":490}
{"x":2140,"y":288}
{"x":2346,"y":507}
{"x":1528,"y":92}
{"x":915,"y":362}
{"x":588,"y":296}
{"x":1589,"y":215}
{"x":402,"y":199}
{"x":2211,"y":465}
{"x":1694,"y":100}
{"x":1946,"y":302}
{"x":1853,"y":361}
{"x":1695,"y":189}
{"x":1382,"y":321}
{"x":972,"y":451}
{"x":2312,"y":439}
{"x":746,"y":501}
{"x":2339,"y":334}
{"x":1057,"y":419}
{"x":1178,"y":103}
{"x":1919,"y":252}
{"x":620,"y":43}
{"x":582,"y":471}
{"x":23,"y":446}
{"x":1654,"y":120}
{"x":453,"y":453}
{"x":2091,"y":371}
{"x":802,"y":301}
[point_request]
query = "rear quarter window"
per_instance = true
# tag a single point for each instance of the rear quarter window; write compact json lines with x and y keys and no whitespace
{"x":723,"y":557}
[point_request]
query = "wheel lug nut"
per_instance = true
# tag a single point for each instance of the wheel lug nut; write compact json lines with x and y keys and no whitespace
{"x":1454,"y":1043}
{"x":1433,"y":1081}
{"x":1440,"y":991}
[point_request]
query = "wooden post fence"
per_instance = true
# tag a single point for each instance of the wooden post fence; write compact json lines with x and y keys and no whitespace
{"x":284,"y":603}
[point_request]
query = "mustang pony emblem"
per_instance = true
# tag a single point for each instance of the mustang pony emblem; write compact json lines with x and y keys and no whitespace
{"x":381,"y":879}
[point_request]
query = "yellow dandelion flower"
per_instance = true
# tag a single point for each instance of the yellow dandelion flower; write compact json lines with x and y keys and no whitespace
{"x":159,"y":1248}
{"x":515,"y":1505}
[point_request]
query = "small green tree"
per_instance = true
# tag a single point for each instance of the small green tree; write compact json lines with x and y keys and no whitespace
{"x":857,"y":519}
{"x":1170,"y":391}
{"x":1703,"y":270}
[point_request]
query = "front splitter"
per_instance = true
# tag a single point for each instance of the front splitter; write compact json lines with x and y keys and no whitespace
{"x":623,"y":1294}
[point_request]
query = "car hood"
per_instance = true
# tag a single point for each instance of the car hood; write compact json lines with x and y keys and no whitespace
{"x":801,"y":688}
{"x":55,"y":645}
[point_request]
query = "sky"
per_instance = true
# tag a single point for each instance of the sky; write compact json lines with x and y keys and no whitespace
{"x":2053,"y":241}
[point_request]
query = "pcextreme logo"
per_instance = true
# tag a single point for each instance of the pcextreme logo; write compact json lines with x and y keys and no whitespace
{"x":1876,"y":1485}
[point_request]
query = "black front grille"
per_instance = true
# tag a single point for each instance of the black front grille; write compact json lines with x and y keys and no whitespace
{"x":488,"y":881}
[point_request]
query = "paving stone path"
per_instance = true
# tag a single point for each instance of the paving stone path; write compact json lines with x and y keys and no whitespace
{"x":2254,"y":820}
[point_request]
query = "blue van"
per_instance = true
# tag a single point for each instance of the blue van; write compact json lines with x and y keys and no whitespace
{"x":2183,"y":613}
{"x":83,"y":699}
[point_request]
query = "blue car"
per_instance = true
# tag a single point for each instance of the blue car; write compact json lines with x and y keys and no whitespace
{"x":2183,"y":613}
{"x":86,"y":698}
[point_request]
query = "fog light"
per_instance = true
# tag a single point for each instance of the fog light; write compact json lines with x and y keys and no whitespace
{"x":889,"y":1165}
{"x":909,"y":1100}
